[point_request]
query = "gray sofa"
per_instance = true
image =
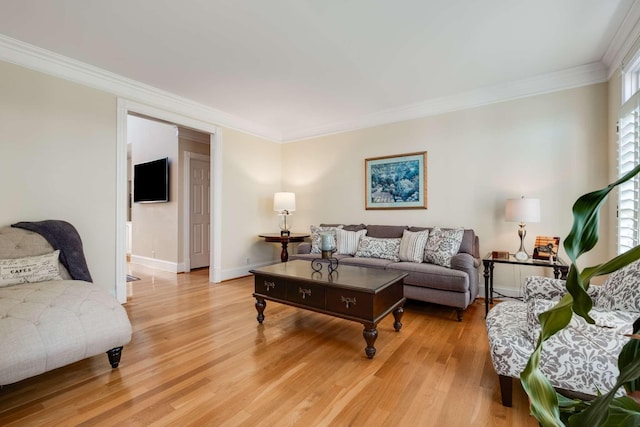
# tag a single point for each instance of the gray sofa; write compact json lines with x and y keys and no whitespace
{"x":50,"y":319}
{"x":456,"y":287}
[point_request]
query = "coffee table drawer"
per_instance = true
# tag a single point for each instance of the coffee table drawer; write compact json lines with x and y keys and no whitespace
{"x":350,"y":303}
{"x":306,"y":294}
{"x":270,"y":286}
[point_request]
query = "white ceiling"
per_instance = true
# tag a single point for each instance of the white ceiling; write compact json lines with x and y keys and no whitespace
{"x":306,"y":67}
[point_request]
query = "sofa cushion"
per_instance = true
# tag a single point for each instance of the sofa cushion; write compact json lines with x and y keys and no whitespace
{"x":386,"y":231}
{"x":412,"y":245}
{"x":371,"y":247}
{"x":315,"y":237}
{"x":367,"y":262}
{"x":442,"y":245}
{"x":31,"y":269}
{"x":433,"y":276}
{"x":347,"y":241}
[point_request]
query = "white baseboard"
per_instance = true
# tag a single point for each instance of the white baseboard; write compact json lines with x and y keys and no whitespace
{"x":172,"y":267}
{"x":509,"y":292}
{"x":234,"y":273}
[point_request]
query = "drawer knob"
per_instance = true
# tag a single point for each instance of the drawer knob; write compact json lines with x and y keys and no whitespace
{"x":269,"y":285}
{"x":304,"y":292}
{"x":349,"y":301}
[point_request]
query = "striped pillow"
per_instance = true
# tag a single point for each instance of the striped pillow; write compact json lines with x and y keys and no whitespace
{"x":412,"y":245}
{"x":347,"y":241}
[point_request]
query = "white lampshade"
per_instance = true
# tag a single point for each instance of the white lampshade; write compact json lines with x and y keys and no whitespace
{"x":523,"y":210}
{"x":284,"y":201}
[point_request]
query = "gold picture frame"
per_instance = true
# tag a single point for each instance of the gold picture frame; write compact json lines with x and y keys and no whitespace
{"x":396,"y":182}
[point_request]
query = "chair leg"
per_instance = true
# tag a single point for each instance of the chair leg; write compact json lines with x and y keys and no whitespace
{"x":114,"y":356}
{"x":459,"y":313}
{"x":506,"y":389}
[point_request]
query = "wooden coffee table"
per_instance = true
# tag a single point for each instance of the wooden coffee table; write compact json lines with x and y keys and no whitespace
{"x":364,"y":295}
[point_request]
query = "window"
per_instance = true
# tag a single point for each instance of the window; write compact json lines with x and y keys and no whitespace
{"x":628,"y":157}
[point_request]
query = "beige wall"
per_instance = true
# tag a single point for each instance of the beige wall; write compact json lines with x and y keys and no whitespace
{"x":552,"y":147}
{"x":252,"y":173}
{"x":58,"y":160}
{"x":155,"y":225}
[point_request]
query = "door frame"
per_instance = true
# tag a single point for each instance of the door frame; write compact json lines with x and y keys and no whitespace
{"x":186,"y":208}
{"x":124,"y":107}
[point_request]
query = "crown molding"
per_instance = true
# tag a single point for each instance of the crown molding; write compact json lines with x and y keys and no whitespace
{"x":48,"y":62}
{"x":36,"y":58}
{"x":623,"y":40}
{"x":584,"y":75}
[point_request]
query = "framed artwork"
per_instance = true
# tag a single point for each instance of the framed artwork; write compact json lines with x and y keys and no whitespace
{"x":546,"y":248}
{"x":396,"y":182}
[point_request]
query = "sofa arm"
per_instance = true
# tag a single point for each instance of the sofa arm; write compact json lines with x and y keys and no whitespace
{"x":470,"y":265}
{"x":304,"y":248}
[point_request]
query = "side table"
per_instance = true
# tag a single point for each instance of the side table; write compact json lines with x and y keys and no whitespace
{"x":284,"y":241}
{"x":560,"y":270}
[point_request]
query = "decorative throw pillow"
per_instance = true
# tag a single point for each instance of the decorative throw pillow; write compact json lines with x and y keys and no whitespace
{"x":412,"y":245}
{"x":347,"y":241}
{"x":29,"y":269}
{"x":316,"y":239}
{"x":620,"y":290}
{"x":442,"y":245}
{"x":371,"y":247}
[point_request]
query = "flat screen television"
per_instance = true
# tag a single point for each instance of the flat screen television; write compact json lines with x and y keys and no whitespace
{"x":151,"y":181}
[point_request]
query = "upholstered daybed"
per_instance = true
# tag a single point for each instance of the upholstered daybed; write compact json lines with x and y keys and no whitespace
{"x":49,"y":319}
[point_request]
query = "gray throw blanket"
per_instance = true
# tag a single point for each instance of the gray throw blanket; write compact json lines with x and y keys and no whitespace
{"x":64,"y":236}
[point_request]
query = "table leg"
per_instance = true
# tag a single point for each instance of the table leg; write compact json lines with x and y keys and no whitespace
{"x":560,"y":272}
{"x":370,"y":334}
{"x":486,"y":286}
{"x":261,"y":304}
{"x":284,"y":255}
{"x":397,"y":317}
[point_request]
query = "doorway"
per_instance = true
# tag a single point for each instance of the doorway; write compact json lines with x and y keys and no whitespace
{"x":125,"y":107}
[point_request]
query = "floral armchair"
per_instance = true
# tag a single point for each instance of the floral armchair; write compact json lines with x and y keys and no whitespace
{"x":582,"y":358}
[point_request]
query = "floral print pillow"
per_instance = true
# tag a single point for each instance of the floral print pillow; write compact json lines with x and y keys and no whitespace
{"x":372,"y":247}
{"x":442,"y":245}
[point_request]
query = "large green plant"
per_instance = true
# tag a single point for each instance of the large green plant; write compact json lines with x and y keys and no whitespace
{"x":549,"y":407}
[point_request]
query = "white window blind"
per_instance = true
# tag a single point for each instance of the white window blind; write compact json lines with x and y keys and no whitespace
{"x":628,"y":158}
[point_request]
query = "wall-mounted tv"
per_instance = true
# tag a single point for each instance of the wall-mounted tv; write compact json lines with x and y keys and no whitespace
{"x":151,"y":181}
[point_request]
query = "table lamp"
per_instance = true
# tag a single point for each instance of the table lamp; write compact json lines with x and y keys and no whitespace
{"x":522,"y":210}
{"x":284,"y":203}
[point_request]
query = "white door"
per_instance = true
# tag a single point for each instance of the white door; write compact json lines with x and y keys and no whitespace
{"x":199,"y":221}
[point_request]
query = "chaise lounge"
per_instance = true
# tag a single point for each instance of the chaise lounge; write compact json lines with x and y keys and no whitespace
{"x":48,"y":317}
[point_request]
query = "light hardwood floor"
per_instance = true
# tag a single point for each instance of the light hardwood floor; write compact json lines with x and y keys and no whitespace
{"x":199,"y":357}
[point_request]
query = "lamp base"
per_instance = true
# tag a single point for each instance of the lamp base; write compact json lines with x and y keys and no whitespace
{"x":521,"y":256}
{"x":285,"y":233}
